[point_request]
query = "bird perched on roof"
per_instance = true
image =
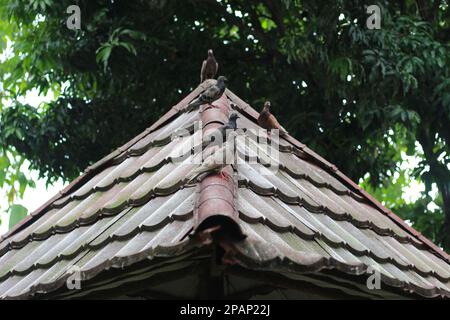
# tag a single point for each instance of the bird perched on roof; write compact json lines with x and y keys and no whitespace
{"x":218,"y":159}
{"x":213,"y":163}
{"x":220,"y":135}
{"x":211,"y":94}
{"x":268,"y":121}
{"x":209,"y":67}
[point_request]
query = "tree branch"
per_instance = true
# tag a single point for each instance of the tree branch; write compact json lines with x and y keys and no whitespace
{"x":426,"y":141}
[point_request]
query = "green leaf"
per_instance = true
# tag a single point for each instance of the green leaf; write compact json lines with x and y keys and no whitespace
{"x":17,"y":213}
{"x":23,"y":183}
{"x":102,"y":55}
{"x":2,"y":178}
{"x":128,"y":46}
{"x":4,"y":162}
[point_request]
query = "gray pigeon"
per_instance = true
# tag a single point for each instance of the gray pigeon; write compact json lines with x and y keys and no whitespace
{"x":218,"y":159}
{"x":209,"y":67}
{"x":211,"y":94}
{"x":220,"y":135}
{"x":213,"y":163}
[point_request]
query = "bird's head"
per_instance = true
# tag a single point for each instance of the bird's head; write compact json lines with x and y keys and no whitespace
{"x":234,"y":116}
{"x":232,"y":120}
{"x":267,"y":105}
{"x":210,"y":53}
{"x":222,"y":80}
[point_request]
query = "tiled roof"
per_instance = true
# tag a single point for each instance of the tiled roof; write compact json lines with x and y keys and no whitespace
{"x":137,"y":203}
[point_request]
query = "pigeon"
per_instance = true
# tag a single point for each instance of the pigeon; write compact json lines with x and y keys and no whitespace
{"x":220,"y":135}
{"x":209,"y":67}
{"x":211,"y":94}
{"x":214,"y":163}
{"x":268,"y":120}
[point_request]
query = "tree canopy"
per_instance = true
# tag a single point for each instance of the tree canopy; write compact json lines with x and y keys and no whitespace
{"x":360,"y":97}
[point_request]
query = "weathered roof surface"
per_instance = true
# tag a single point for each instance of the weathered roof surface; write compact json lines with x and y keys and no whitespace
{"x":137,"y":204}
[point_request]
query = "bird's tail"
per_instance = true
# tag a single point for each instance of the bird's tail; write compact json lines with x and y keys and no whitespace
{"x":195,"y":174}
{"x":194,"y":104}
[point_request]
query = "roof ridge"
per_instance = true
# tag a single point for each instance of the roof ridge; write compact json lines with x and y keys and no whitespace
{"x":216,"y":202}
{"x":334,"y":171}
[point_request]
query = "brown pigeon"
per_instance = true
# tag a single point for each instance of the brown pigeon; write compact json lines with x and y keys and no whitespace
{"x":268,"y":120}
{"x":211,"y":94}
{"x":209,"y":67}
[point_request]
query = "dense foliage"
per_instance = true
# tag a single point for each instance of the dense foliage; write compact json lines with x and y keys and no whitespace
{"x":358,"y":97}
